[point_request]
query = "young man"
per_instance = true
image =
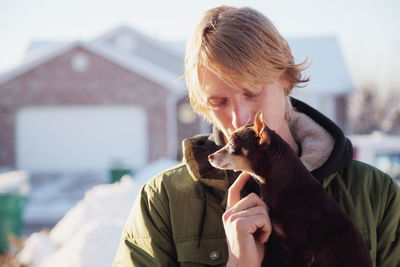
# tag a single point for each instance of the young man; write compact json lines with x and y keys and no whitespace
{"x":236,"y":65}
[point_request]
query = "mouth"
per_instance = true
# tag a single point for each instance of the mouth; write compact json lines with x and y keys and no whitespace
{"x":222,"y":167}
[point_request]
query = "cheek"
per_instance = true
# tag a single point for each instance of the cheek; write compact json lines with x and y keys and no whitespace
{"x":274,"y":113}
{"x":220,"y":119}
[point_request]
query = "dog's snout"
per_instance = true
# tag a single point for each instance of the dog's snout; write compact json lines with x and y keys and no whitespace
{"x":211,"y":157}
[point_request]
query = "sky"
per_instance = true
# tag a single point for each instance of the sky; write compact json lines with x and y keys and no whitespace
{"x":368,"y":30}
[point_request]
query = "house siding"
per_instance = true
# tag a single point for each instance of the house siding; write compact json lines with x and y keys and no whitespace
{"x":55,"y":83}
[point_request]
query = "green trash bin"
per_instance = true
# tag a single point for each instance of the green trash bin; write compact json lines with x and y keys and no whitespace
{"x":11,"y":207}
{"x":117,"y":173}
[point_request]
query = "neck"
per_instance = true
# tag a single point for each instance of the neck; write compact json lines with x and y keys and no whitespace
{"x":286,"y":135}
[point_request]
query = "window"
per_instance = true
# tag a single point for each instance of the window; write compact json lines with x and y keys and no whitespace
{"x":80,"y":62}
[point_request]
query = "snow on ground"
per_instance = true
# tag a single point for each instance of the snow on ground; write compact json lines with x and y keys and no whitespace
{"x":16,"y":182}
{"x":89,"y":233}
{"x":52,"y":195}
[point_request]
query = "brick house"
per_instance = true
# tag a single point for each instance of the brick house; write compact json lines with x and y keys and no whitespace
{"x":85,"y":106}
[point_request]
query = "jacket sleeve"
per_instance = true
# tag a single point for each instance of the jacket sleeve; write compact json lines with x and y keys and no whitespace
{"x":388,"y":230}
{"x":147,"y":239}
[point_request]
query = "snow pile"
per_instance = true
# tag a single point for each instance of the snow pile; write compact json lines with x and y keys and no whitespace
{"x":52,"y":195}
{"x":14,"y":182}
{"x":88,"y":235}
{"x":36,"y":248}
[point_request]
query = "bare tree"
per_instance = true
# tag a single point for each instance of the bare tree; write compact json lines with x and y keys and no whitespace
{"x":375,"y":110}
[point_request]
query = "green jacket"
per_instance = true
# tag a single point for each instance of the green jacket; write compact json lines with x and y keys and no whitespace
{"x":177,"y":221}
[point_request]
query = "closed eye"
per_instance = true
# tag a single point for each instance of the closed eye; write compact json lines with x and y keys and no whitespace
{"x":251,"y":95}
{"x":217,"y":102}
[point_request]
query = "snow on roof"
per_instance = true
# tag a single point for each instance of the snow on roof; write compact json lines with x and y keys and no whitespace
{"x":35,"y":58}
{"x":134,"y":42}
{"x":328,"y":71}
{"x":159,"y":74}
{"x":39,"y":48}
{"x":38,"y":44}
{"x":139,"y":65}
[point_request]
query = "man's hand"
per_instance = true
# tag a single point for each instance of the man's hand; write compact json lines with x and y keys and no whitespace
{"x":242,"y":218}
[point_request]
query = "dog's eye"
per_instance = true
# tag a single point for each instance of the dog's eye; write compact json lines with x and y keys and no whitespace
{"x":233,"y":146}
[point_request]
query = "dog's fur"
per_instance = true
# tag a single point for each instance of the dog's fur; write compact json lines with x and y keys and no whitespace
{"x":309,"y":228}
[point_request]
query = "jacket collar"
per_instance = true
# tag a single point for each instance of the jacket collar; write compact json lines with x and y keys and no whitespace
{"x":342,"y":150}
{"x":310,"y":129}
{"x":195,"y":156}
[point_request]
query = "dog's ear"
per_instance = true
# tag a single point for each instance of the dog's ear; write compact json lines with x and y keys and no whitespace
{"x":259,"y":128}
{"x":258,"y":123}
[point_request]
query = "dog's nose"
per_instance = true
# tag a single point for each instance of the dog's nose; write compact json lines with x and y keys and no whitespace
{"x":211,"y":157}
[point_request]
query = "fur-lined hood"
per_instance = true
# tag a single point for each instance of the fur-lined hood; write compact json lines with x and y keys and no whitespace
{"x":324,"y":148}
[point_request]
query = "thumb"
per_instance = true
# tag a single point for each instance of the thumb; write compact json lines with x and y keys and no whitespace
{"x":235,"y":189}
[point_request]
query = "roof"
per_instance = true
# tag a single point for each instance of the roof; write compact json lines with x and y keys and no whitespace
{"x":140,"y":45}
{"x":143,"y":61}
{"x":163,"y":62}
{"x":328,"y":70}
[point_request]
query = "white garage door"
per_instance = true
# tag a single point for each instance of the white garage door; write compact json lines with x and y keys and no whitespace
{"x":80,"y":138}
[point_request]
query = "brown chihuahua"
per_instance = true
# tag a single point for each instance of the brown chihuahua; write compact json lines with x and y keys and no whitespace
{"x":309,"y":228}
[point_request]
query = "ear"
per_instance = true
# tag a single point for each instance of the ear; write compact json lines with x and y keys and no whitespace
{"x":259,"y":128}
{"x":258,"y":123}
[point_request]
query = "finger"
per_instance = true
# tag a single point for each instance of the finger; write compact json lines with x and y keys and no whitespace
{"x":264,"y":235}
{"x":250,"y":201}
{"x":235,"y":188}
{"x":252,"y":224}
{"x":263,"y":230}
{"x":250,"y":207}
{"x":255,"y":211}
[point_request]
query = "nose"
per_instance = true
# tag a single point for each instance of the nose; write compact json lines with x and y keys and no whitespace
{"x":241,"y":116}
{"x":210,"y":157}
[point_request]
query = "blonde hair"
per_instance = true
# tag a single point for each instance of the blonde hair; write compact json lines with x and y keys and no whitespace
{"x":240,"y":46}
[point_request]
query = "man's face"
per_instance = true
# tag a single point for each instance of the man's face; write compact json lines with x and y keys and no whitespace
{"x":231,"y":108}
